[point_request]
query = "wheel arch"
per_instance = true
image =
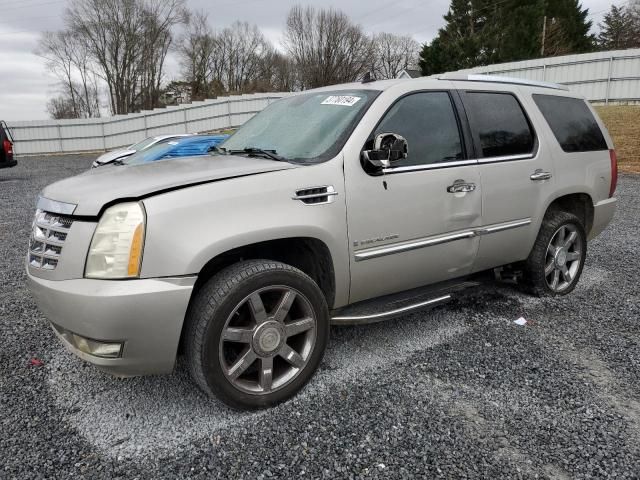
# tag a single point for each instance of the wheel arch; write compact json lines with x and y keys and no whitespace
{"x":580,"y":204}
{"x":308,"y":254}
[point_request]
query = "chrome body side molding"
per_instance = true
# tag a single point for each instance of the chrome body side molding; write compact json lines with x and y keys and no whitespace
{"x":500,"y":227}
{"x":405,"y":247}
{"x":370,"y":253}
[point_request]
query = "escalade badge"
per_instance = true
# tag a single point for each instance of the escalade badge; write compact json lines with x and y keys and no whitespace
{"x":362,"y":243}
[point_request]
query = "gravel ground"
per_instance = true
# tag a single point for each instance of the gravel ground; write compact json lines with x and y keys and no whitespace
{"x":460,"y":391}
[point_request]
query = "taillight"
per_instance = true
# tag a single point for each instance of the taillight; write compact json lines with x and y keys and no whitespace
{"x":614,"y":172}
{"x":8,"y":147}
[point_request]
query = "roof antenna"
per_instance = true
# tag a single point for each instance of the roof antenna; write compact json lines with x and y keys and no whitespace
{"x":368,"y":78}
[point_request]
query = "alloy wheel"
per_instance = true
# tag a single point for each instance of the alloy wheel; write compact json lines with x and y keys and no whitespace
{"x":563,"y":258}
{"x":267,"y":340}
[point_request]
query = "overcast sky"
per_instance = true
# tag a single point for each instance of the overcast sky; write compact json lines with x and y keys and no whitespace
{"x":26,"y":86}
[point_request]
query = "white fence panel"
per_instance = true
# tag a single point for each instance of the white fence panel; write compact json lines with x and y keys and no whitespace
{"x":83,"y":135}
{"x":602,"y":77}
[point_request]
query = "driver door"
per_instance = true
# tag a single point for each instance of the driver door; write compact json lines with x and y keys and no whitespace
{"x":410,"y":224}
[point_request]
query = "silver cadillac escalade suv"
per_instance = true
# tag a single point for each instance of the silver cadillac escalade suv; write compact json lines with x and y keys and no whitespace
{"x":341,"y":205}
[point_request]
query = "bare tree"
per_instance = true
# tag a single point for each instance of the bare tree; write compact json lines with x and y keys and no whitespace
{"x":231,"y":61}
{"x":277,"y":73}
{"x":197,"y":51}
{"x":393,"y":54}
{"x":61,"y":107}
{"x":242,"y":46}
{"x":128,"y":40}
{"x":160,"y":17}
{"x":326,"y":46}
{"x":68,"y":59}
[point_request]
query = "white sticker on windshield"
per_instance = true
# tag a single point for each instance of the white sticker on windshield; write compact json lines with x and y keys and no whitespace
{"x":344,"y":100}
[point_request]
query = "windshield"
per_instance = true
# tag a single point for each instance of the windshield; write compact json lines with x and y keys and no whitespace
{"x":143,"y":144}
{"x":306,"y":127}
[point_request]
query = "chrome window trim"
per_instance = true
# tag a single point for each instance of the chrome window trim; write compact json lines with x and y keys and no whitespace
{"x":394,"y":248}
{"x":507,"y":158}
{"x":461,"y":163}
{"x":429,"y":166}
{"x":54,"y":206}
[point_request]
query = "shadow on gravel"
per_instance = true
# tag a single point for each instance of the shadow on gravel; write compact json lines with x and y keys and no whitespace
{"x":12,"y":179}
{"x":142,"y":416}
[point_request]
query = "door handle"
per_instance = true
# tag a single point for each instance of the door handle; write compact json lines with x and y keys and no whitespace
{"x":540,"y":175}
{"x":460,"y":186}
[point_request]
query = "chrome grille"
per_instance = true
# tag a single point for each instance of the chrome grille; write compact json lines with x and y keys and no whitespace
{"x":48,"y":234}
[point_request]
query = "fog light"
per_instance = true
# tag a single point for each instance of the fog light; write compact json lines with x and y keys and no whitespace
{"x":95,"y":348}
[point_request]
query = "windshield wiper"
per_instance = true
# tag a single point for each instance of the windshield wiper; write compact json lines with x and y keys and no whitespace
{"x":217,"y":149}
{"x":272,"y":154}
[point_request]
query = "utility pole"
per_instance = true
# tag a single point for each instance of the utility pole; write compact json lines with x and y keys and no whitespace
{"x":544,"y":35}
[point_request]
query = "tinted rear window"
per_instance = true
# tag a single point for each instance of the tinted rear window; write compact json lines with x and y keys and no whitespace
{"x":501,"y":124}
{"x":572,"y":123}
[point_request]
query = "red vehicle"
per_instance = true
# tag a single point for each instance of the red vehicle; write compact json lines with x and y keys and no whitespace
{"x":6,"y":147}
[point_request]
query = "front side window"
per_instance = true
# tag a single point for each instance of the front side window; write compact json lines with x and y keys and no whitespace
{"x":572,"y":123}
{"x":428,"y":122}
{"x":307,"y":127}
{"x":500,"y":123}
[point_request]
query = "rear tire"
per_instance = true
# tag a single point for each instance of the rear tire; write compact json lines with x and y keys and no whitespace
{"x":556,"y":261}
{"x":256,"y":333}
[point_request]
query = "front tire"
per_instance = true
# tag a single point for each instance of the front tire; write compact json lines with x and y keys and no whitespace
{"x":555,"y":264}
{"x":256,"y":333}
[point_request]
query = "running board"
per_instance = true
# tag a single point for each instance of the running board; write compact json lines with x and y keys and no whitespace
{"x":396,"y":305}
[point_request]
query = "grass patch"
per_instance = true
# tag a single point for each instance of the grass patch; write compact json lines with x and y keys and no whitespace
{"x":623,"y":123}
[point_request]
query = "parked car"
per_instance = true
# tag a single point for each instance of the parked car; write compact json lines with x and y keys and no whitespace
{"x":348,"y":204}
{"x":178,"y":147}
{"x":120,"y":154}
{"x":6,"y":147}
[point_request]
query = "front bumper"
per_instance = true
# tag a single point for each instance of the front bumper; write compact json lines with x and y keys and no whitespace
{"x":145,"y":315}
{"x":603,"y":213}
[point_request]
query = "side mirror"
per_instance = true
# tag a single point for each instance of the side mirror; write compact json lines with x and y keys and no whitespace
{"x":387,"y":149}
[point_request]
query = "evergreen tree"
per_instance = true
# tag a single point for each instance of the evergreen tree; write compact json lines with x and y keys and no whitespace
{"x":462,"y":42}
{"x":519,"y":26}
{"x":568,"y":28}
{"x":482,"y":32}
{"x":617,"y":30}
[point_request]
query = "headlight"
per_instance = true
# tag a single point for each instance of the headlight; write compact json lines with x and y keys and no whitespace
{"x":117,"y":244}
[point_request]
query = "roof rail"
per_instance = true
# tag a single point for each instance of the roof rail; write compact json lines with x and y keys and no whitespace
{"x":474,"y":77}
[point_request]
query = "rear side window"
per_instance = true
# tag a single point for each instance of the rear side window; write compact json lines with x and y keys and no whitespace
{"x":501,"y":124}
{"x":572,"y":123}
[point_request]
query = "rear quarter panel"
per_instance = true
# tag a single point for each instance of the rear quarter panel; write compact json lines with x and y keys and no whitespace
{"x":583,"y":172}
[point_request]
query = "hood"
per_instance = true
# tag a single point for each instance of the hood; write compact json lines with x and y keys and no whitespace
{"x":113,"y":155}
{"x":92,"y":190}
